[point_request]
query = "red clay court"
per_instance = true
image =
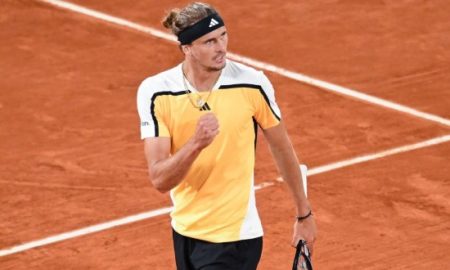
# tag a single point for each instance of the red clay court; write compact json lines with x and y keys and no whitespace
{"x":378,"y":151}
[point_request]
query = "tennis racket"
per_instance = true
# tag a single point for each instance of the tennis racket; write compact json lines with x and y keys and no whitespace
{"x":302,"y":259}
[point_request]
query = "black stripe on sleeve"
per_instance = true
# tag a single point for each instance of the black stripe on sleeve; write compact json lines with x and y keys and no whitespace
{"x":254,"y":86}
{"x":152,"y":106}
{"x":255,"y":127}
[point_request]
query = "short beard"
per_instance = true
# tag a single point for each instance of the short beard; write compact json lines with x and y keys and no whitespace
{"x":214,"y":69}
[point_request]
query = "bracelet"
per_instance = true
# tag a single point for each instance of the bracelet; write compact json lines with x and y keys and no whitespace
{"x":301,"y":218}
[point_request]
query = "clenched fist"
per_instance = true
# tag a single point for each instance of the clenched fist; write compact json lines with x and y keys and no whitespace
{"x":207,"y":129}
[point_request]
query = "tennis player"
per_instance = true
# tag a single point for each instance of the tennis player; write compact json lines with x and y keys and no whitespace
{"x":199,"y":124}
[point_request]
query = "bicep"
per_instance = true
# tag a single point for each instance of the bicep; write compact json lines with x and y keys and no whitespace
{"x":277,"y":137}
{"x":152,"y":109}
{"x":156,"y":149}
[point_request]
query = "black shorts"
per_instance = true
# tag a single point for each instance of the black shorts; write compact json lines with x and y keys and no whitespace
{"x":194,"y":254}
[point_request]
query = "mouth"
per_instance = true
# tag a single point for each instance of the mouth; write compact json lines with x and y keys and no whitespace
{"x":220,"y":58}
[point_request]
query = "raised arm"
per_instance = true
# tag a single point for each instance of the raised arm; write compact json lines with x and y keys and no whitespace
{"x":167,"y":171}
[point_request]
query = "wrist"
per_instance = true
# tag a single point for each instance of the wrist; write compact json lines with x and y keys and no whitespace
{"x":303,"y":208}
{"x":302,"y":218}
{"x":195,"y":146}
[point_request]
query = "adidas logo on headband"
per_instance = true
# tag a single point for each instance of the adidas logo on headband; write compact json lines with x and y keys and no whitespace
{"x":200,"y":28}
{"x":213,"y":22}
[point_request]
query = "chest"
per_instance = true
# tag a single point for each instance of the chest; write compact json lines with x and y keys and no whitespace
{"x":233,"y":110}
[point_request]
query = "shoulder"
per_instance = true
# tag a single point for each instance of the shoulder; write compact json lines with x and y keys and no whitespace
{"x":240,"y":74}
{"x":242,"y":71}
{"x":237,"y":73}
{"x":166,"y":81}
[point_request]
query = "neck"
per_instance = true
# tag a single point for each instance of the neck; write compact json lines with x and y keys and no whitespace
{"x":199,"y":77}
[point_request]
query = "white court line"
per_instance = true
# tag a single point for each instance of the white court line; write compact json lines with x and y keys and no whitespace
{"x":85,"y":231}
{"x":258,"y":64}
{"x":378,"y":155}
{"x":166,"y":210}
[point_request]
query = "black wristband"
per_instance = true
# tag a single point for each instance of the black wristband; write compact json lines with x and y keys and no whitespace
{"x":301,"y":218}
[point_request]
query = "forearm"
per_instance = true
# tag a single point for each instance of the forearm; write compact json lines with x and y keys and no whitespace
{"x":288,"y":166}
{"x":167,"y":173}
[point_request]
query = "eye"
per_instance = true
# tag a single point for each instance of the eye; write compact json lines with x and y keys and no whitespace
{"x":209,"y":42}
{"x":223,"y":36}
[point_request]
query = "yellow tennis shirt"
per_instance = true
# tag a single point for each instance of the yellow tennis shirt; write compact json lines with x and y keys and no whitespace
{"x":215,"y":202}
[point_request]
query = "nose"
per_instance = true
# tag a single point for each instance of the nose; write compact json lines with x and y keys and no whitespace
{"x":221,"y":46}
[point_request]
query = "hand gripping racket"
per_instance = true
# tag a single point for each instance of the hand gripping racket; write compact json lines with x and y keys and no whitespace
{"x":302,"y":259}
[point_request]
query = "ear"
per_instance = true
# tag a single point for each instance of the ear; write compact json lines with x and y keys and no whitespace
{"x":186,"y":49}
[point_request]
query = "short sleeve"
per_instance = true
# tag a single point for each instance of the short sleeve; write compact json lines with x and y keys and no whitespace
{"x":267,"y":112}
{"x":151,"y":109}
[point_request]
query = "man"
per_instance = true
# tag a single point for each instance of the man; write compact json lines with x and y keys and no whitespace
{"x":199,"y":122}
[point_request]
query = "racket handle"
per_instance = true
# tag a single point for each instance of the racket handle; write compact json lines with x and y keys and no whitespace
{"x":302,"y":257}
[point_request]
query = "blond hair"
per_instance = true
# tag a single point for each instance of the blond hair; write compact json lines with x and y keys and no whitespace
{"x":177,"y":20}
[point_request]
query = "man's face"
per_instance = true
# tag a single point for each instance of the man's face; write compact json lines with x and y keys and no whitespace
{"x":210,"y":50}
